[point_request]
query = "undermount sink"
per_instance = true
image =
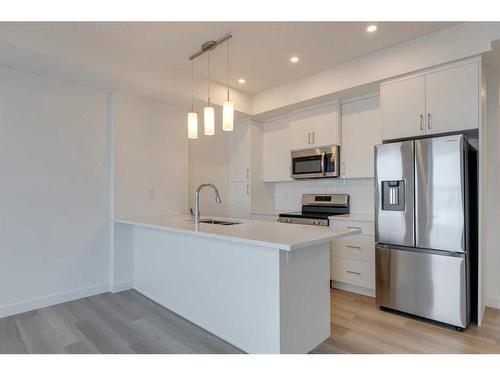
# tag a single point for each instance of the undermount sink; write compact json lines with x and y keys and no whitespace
{"x":219,"y":222}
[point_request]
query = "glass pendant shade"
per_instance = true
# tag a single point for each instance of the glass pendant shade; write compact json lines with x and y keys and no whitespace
{"x":228,"y":116}
{"x":209,"y":120}
{"x":192,"y":125}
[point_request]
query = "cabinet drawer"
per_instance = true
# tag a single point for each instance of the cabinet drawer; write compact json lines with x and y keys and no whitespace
{"x":358,"y":247}
{"x":366,"y":227}
{"x":354,"y":272}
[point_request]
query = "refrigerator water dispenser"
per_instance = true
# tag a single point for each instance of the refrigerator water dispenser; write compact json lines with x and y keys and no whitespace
{"x":393,"y":195}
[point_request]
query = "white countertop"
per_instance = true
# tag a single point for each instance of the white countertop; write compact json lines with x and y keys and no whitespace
{"x":370,"y":218}
{"x":259,"y":233}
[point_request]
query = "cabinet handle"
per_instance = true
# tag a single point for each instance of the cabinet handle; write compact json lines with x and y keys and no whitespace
{"x":354,"y":247}
{"x":354,"y":273}
{"x":429,"y":126}
{"x":248,"y":173}
{"x":343,"y":169}
{"x":309,"y":138}
{"x":421,"y":122}
{"x":353,"y":228}
{"x":248,"y":189}
{"x":313,"y":137}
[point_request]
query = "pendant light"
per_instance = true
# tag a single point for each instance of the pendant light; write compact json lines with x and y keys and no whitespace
{"x":208,"y":111}
{"x":228,"y":106}
{"x":192,"y":116}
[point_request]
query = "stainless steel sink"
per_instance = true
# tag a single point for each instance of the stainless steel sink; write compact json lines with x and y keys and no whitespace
{"x":218,"y":222}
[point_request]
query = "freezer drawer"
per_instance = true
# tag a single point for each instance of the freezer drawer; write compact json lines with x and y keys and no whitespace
{"x":421,"y":283}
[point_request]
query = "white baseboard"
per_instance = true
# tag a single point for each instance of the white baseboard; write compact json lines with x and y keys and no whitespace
{"x":120,"y":287}
{"x":352,"y":288}
{"x":54,"y":299}
{"x":493,"y":302}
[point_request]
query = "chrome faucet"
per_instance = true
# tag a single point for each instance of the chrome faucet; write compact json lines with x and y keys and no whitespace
{"x":197,"y":200}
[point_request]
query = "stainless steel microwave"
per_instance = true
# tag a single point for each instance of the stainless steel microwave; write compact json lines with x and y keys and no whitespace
{"x":315,"y":163}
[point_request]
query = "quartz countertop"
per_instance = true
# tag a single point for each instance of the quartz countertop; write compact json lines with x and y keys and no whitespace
{"x":280,"y":236}
{"x":370,"y":218}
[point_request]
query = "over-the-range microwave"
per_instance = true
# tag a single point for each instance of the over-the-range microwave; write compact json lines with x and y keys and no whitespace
{"x":315,"y":163}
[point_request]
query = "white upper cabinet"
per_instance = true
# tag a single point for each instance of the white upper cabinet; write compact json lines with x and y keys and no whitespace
{"x":361,"y":131}
{"x":442,"y":100}
{"x":316,"y":127}
{"x":452,"y":99}
{"x":325,"y":126}
{"x":239,"y":199}
{"x":239,"y":152}
{"x":403,"y":108}
{"x":276,"y":150}
{"x":300,"y":130}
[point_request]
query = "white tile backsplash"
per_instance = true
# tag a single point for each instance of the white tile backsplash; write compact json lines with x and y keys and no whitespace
{"x":287,"y":195}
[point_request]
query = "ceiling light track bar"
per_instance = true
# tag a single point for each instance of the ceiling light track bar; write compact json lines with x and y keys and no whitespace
{"x":210,"y":45}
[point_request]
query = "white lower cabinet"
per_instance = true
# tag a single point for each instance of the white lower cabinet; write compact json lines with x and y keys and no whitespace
{"x":354,"y":272}
{"x":352,"y":265}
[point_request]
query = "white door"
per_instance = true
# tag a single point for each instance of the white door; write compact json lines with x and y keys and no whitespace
{"x":361,"y":131}
{"x":301,"y":130}
{"x":239,"y":152}
{"x":239,"y":199}
{"x":403,"y":108}
{"x":325,"y":126}
{"x":276,"y":151}
{"x":452,"y":99}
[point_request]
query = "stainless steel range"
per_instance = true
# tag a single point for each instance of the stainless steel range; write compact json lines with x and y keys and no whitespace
{"x":316,"y":208}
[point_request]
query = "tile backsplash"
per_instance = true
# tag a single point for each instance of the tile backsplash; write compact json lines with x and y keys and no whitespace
{"x":287,"y":195}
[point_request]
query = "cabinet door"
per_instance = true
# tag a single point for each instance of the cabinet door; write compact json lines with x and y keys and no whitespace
{"x":239,"y":199}
{"x":301,"y":130}
{"x":452,"y":99}
{"x":325,"y":126}
{"x":403,"y":108}
{"x":239,"y":152}
{"x":276,"y":151}
{"x":361,"y":131}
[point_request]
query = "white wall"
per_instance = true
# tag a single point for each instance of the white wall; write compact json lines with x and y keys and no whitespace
{"x":54,"y":191}
{"x":361,"y":191}
{"x":150,"y":157}
{"x":493,"y":215}
{"x":150,"y":170}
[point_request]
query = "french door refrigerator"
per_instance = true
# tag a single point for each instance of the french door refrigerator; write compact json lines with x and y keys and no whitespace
{"x":424,"y":202}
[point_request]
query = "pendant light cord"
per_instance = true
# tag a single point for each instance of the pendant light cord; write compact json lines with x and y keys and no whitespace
{"x":227,"y":66}
{"x":208,"y":78}
{"x":192,"y":85}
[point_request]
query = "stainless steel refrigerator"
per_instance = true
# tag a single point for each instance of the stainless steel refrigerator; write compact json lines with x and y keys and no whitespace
{"x":424,"y":202}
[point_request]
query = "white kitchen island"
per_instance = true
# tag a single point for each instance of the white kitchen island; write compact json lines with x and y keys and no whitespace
{"x":262,"y":286}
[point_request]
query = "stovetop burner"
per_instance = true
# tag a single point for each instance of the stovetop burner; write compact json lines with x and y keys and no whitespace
{"x":316,"y":208}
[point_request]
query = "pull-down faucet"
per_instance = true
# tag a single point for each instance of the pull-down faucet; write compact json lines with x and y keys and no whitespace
{"x":197,"y":200}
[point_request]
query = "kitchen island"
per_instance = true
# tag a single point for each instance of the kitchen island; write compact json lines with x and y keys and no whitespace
{"x":262,"y":286}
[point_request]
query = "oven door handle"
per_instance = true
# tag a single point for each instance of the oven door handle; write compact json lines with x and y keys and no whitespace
{"x":323,"y":163}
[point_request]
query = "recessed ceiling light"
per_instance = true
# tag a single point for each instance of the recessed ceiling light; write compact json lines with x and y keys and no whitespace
{"x":371,"y":28}
{"x":242,"y":80}
{"x":294,"y":59}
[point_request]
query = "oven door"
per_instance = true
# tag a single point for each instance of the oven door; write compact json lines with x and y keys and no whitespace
{"x":315,"y":163}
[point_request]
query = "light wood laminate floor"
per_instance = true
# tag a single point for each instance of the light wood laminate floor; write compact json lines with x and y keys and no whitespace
{"x":128,"y":322}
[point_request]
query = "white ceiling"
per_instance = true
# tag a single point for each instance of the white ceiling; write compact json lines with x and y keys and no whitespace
{"x":260,"y":51}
